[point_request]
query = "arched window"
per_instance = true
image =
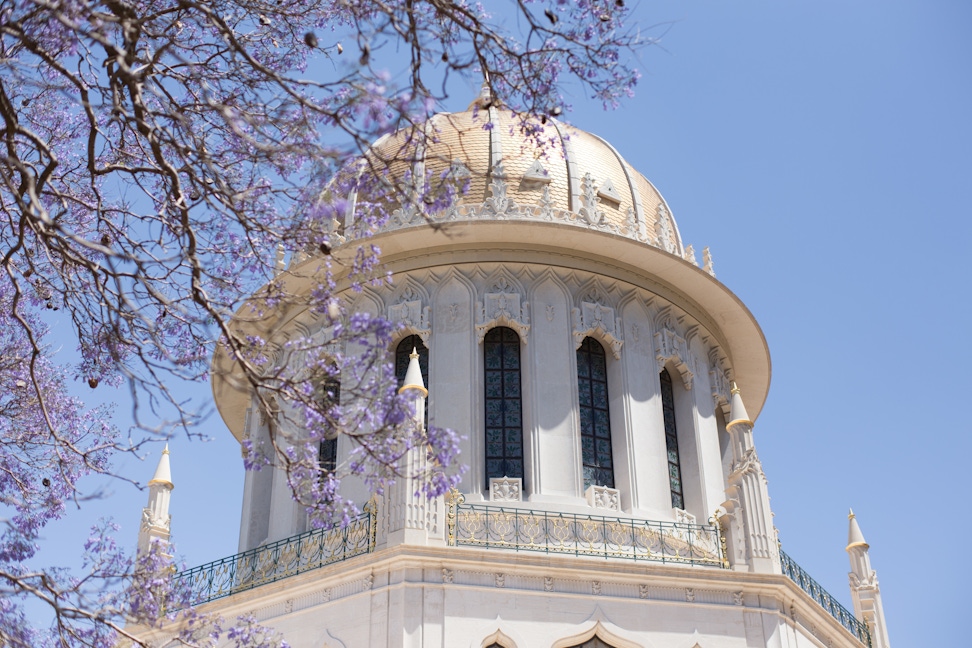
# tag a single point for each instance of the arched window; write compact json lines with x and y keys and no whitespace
{"x":402,"y":351}
{"x":504,"y":421}
{"x":671,"y":439}
{"x":595,"y":420}
{"x":330,"y":394}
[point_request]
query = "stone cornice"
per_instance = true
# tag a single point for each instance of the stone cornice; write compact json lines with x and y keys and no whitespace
{"x":527,"y":573}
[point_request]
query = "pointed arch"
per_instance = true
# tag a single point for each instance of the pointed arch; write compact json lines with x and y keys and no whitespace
{"x":366,"y":301}
{"x":498,"y":640}
{"x":596,"y":631}
{"x":502,"y":279}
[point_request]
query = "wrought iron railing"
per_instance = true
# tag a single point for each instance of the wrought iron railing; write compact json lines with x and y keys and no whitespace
{"x":275,"y":561}
{"x":796,"y":573}
{"x":584,"y":535}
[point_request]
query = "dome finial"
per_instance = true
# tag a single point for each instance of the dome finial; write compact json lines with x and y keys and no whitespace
{"x":486,"y":97}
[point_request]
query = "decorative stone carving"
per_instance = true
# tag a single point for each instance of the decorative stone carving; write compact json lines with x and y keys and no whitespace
{"x":643,"y":591}
{"x":458,"y":170}
{"x":498,"y":204}
{"x":707,"y":261}
{"x":737,"y":598}
{"x":747,"y":464}
{"x":663,"y":230}
{"x":501,"y":307}
{"x":448,"y":576}
{"x":590,"y":213}
{"x":505,"y":489}
{"x":593,"y":319}
{"x":288,"y":606}
{"x":720,"y":388}
{"x":689,"y":595}
{"x":690,"y":255}
{"x":683,"y":516}
{"x":631,"y":225}
{"x":500,"y":580}
{"x":535,"y":176}
{"x":546,"y":211}
{"x":672,"y":347}
{"x":602,"y":497}
{"x":152,"y":521}
{"x":368,"y":582}
{"x":547,"y":584}
{"x":412,"y":314}
{"x":596,"y":588}
{"x":607,"y":192}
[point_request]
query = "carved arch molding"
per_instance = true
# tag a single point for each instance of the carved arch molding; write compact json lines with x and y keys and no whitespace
{"x":593,"y":642}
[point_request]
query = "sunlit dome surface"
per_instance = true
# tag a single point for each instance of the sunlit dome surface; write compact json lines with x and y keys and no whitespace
{"x":544,"y":164}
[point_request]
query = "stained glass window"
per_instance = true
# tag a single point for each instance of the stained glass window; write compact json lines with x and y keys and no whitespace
{"x":402,"y":351}
{"x":327,"y":453}
{"x":595,"y":420}
{"x":671,"y":439}
{"x":504,"y":424}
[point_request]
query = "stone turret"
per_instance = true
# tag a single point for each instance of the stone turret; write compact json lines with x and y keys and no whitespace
{"x":864,"y":587}
{"x":412,"y":517}
{"x":751,"y":536}
{"x":156,"y":520}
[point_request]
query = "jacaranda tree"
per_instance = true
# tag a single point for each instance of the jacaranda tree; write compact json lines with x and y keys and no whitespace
{"x":157,"y":158}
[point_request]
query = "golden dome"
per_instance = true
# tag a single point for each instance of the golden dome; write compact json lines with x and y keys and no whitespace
{"x":513,"y":166}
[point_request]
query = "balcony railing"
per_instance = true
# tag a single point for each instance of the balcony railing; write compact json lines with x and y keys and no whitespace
{"x":275,"y":561}
{"x":584,"y":535}
{"x":823,"y":597}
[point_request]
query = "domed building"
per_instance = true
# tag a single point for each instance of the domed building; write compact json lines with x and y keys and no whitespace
{"x":605,"y":386}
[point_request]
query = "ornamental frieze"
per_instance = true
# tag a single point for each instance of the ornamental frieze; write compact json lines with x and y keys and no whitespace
{"x":593,"y":319}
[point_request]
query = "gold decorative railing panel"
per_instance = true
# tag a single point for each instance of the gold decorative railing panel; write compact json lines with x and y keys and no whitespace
{"x":583,"y":535}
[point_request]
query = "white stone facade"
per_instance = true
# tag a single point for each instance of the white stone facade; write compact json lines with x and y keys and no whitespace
{"x":631,"y":319}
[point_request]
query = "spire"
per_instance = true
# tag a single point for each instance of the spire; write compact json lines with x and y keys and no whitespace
{"x":738,"y":413}
{"x":163,"y":474}
{"x":413,"y":375}
{"x":156,"y":520}
{"x":864,"y":587}
{"x":854,"y":536}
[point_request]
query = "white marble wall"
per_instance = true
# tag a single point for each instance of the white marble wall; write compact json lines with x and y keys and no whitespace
{"x":549,"y":296}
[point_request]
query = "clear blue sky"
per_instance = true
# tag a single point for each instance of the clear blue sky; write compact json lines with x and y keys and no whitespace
{"x":824,"y":151}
